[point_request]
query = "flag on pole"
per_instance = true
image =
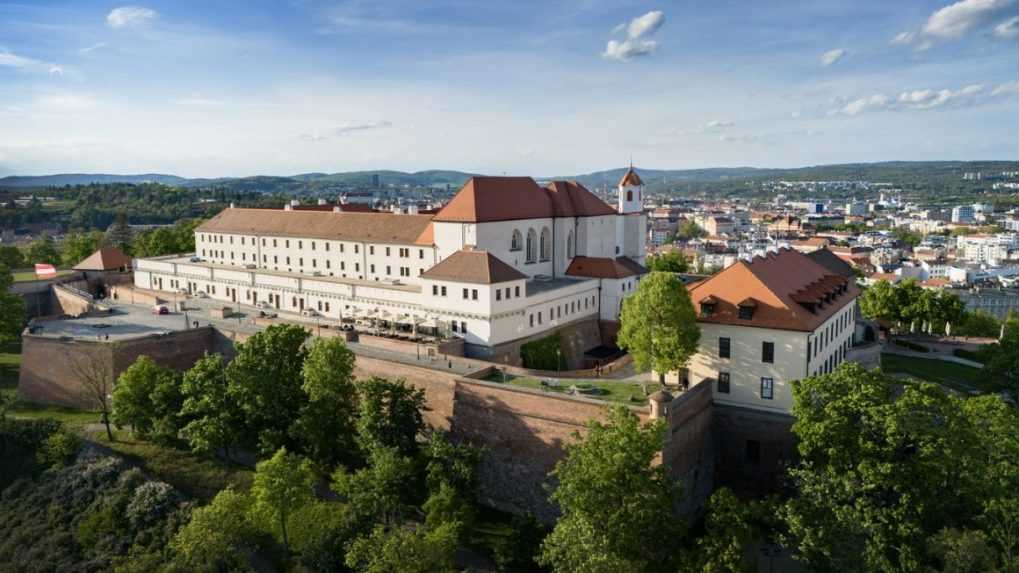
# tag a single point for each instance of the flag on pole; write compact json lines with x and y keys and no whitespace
{"x":45,"y":271}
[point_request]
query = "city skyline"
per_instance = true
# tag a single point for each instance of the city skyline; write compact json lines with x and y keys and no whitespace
{"x":570,"y":88}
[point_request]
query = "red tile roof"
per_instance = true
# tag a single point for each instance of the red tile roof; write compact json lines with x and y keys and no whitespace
{"x":630,"y":178}
{"x":367,"y":227}
{"x":105,"y":259}
{"x":471,"y":266}
{"x":604,"y":268}
{"x":487,"y":199}
{"x":785,"y":287}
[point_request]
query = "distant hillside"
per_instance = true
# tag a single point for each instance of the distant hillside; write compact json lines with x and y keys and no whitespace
{"x":891,"y":171}
{"x":62,"y":179}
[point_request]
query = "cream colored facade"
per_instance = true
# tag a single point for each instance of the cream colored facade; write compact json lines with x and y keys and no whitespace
{"x":796,"y":355}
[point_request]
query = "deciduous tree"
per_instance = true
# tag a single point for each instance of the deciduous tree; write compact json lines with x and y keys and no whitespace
{"x":283,"y":484}
{"x":617,"y":505}
{"x":212,"y":420}
{"x":147,"y":398}
{"x":389,"y":415}
{"x":659,"y":327}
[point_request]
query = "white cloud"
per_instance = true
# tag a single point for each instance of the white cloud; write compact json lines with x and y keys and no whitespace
{"x":63,"y":103}
{"x":645,"y":25}
{"x":636,"y":43}
{"x":719,"y":124}
{"x":1008,"y":88}
{"x":346,"y":129}
{"x":25,"y":64}
{"x":129,"y":16}
{"x":956,"y":20}
{"x":831,"y":56}
{"x":198,"y":100}
{"x":1009,"y":29}
{"x":92,"y":48}
{"x":926,"y":99}
{"x":628,"y":49}
{"x":903,"y":38}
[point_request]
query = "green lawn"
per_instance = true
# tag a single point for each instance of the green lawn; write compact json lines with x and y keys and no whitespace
{"x":29,"y":274}
{"x":610,"y":390}
{"x":949,"y":374}
{"x":194,"y":474}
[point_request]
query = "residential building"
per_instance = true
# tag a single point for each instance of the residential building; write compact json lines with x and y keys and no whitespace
{"x":963,"y":214}
{"x":769,"y":322}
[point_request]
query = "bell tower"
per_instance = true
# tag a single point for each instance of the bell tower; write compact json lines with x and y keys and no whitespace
{"x":631,"y":193}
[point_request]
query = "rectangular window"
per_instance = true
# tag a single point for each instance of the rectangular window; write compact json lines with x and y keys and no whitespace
{"x":767,"y":388}
{"x":465,"y":294}
{"x":421,"y":253}
{"x":443,"y":291}
{"x":516,"y":291}
{"x":463,"y":327}
{"x":724,"y":347}
{"x":371,"y":249}
{"x":532,"y":320}
{"x":753,"y":451}
{"x":300,"y":244}
{"x":768,"y":352}
{"x":435,"y":290}
{"x":474,"y":294}
{"x":498,"y":294}
{"x":313,"y":245}
{"x":723,"y":382}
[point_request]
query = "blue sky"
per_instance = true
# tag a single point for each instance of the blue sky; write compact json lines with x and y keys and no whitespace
{"x":543,"y":88}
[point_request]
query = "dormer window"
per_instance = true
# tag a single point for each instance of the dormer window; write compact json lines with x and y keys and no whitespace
{"x":746,"y":309}
{"x":708,"y":306}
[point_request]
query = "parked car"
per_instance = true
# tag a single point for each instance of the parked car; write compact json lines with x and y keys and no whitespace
{"x":263,"y":305}
{"x":202,"y":294}
{"x":160,"y":309}
{"x":309,"y":312}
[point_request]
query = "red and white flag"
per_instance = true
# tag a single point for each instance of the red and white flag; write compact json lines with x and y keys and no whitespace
{"x":45,"y":271}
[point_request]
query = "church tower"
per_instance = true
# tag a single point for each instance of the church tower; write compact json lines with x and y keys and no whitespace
{"x":631,"y":193}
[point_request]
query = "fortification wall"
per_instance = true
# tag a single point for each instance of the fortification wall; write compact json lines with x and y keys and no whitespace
{"x":753,"y":448}
{"x":50,"y":367}
{"x":689,"y":449}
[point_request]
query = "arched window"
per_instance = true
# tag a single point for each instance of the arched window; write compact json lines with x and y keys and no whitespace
{"x":629,"y":195}
{"x":531,"y":246}
{"x":515,"y":241}
{"x":569,"y":245}
{"x":546,"y":244}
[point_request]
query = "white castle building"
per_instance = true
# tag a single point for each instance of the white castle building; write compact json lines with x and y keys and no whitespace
{"x":504,"y":262}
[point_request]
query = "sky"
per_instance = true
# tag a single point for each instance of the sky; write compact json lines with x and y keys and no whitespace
{"x":219,"y":88}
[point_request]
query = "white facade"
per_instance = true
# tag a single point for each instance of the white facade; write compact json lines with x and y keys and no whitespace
{"x":363,"y":280}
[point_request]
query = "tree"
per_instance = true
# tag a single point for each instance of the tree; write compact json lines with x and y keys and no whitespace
{"x":689,"y":229}
{"x":383,"y":491}
{"x":617,"y":505}
{"x":404,"y":550}
{"x":12,"y":309}
{"x":978,"y":324}
{"x":325,"y":426}
{"x":59,"y":449}
{"x":389,"y":415}
{"x":11,"y":257}
{"x":42,"y":250}
{"x":148,"y":398}
{"x":1003,"y":365}
{"x":212,"y":420}
{"x":77,"y":246}
{"x":93,"y":367}
{"x":732,"y":529}
{"x":282,"y":485}
{"x":668,"y":262}
{"x":119,"y":234}
{"x":876,"y":459}
{"x":218,"y":535}
{"x":659,"y":327}
{"x":266,"y":384}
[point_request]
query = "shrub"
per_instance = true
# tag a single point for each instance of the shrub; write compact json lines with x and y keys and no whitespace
{"x":59,"y":449}
{"x":151,"y":502}
{"x":542,"y":354}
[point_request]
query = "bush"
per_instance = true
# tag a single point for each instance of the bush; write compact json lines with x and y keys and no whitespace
{"x":59,"y":449}
{"x":521,"y":546}
{"x":542,"y":354}
{"x":911,"y":345}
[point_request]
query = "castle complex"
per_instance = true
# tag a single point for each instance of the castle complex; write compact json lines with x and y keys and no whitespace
{"x":503,"y":262}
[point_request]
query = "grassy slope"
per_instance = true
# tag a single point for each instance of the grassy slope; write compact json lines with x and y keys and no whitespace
{"x":953,"y":375}
{"x":29,"y":275}
{"x":611,"y":390}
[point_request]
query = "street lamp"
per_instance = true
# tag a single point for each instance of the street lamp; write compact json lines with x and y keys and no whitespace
{"x":558,"y":362}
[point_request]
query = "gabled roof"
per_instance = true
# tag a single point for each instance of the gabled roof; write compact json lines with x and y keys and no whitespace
{"x":367,"y":227}
{"x":832,"y":262}
{"x":488,"y":199}
{"x":791,"y":292}
{"x":105,"y":259}
{"x":604,"y":267}
{"x":571,"y":199}
{"x":471,"y":266}
{"x":630,"y":178}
